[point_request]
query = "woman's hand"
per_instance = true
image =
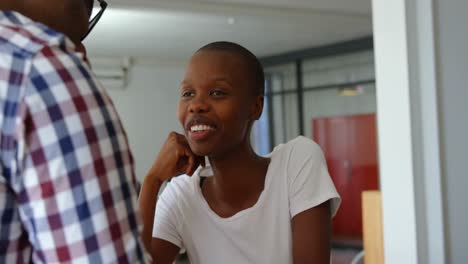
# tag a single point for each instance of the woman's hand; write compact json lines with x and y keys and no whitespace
{"x":175,"y":158}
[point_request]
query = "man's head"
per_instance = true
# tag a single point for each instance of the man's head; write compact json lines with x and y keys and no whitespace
{"x":69,"y":17}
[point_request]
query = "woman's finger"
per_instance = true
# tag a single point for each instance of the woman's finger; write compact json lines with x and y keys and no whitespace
{"x":191,"y":163}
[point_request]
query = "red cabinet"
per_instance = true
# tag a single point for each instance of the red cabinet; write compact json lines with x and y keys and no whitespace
{"x":350,"y":147}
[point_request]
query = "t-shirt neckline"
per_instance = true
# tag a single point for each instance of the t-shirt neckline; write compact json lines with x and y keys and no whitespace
{"x":241,"y":213}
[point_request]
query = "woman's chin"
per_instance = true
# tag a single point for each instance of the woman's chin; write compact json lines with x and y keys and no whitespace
{"x":201,"y":151}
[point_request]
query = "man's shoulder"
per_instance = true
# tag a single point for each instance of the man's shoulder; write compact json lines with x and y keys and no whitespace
{"x":26,"y":38}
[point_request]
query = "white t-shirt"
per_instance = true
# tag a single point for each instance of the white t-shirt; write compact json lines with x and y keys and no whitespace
{"x":297,"y":179}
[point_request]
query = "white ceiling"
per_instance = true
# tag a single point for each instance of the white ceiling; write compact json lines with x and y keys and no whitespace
{"x":362,"y":7}
{"x":173,"y":30}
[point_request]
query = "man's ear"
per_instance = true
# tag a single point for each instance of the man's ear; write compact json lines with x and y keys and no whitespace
{"x":257,"y":107}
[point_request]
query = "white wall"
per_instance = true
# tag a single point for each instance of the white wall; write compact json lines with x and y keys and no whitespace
{"x":148,"y":107}
{"x":394,"y":132}
{"x":452,"y":44}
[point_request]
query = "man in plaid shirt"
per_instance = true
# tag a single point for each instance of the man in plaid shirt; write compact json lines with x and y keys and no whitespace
{"x":67,"y":186}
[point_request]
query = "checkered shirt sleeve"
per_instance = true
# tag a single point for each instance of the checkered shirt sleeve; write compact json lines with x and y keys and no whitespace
{"x":67,"y":185}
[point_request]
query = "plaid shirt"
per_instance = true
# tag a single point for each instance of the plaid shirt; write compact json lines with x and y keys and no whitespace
{"x":67,"y":185}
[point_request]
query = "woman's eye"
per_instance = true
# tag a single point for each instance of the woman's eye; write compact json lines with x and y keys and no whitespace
{"x":188,"y":94}
{"x":217,"y":93}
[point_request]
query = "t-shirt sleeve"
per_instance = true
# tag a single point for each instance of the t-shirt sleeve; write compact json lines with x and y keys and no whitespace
{"x":309,"y":181}
{"x":167,"y":217}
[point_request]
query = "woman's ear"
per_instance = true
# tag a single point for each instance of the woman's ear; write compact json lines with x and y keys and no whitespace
{"x":257,"y":107}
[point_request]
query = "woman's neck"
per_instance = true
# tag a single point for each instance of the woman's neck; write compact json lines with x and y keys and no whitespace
{"x":239,"y":171}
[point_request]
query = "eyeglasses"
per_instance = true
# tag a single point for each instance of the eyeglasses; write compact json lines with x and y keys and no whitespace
{"x":95,"y":19}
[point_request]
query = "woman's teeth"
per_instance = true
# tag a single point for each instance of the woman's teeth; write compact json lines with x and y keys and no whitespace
{"x":198,"y":128}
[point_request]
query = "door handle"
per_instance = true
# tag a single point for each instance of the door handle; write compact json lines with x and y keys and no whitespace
{"x":349,"y":168}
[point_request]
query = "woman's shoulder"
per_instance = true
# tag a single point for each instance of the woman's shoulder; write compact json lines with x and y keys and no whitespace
{"x":299,"y":147}
{"x":296,"y":154}
{"x":180,"y":188}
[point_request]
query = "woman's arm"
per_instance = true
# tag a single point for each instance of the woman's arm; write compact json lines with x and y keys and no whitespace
{"x":147,"y":203}
{"x":311,"y":232}
{"x":174,"y":158}
{"x":162,"y":252}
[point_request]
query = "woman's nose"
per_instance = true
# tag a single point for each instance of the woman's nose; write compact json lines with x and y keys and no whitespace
{"x":198,"y":105}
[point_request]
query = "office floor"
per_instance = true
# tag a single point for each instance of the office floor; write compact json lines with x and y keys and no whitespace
{"x":344,"y":256}
{"x":339,"y":256}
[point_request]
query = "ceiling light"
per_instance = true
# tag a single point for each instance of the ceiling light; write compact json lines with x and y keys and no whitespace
{"x":351,"y":90}
{"x":231,"y":21}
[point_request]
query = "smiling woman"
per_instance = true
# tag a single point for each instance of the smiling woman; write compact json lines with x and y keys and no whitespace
{"x":228,"y":103}
{"x":231,"y":205}
{"x":162,"y":35}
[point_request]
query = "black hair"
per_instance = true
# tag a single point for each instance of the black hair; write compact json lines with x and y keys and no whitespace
{"x":254,"y":67}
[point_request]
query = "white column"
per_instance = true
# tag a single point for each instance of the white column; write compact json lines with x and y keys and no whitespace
{"x":408,"y":127}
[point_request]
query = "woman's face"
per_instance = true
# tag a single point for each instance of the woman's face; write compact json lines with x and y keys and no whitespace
{"x":217,"y":106}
